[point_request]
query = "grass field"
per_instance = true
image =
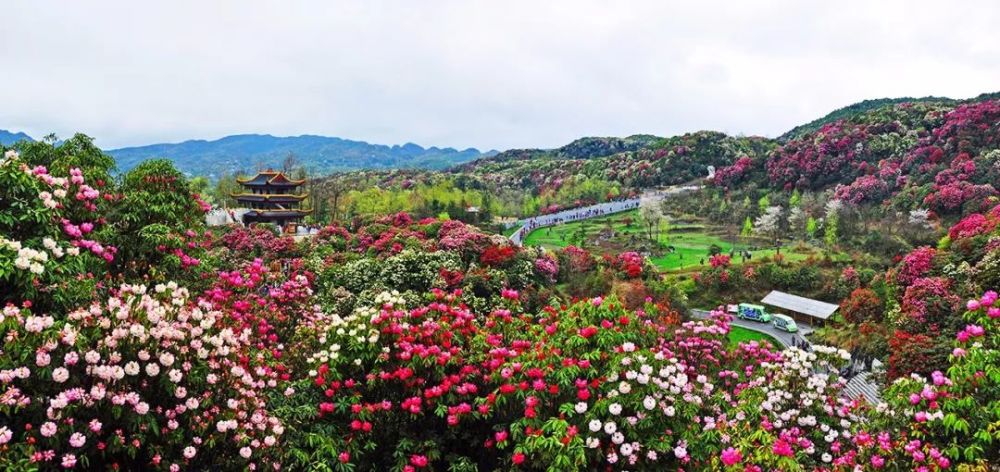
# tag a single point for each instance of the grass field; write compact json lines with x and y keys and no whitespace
{"x":739,"y":334}
{"x":691,"y":242}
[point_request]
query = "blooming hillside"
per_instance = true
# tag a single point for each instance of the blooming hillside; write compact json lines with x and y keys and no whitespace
{"x":135,"y":339}
{"x":915,"y":155}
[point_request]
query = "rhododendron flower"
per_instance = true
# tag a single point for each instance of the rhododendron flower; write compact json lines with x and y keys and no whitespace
{"x":731,"y":456}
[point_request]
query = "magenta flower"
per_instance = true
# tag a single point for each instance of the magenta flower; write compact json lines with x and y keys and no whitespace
{"x":731,"y":456}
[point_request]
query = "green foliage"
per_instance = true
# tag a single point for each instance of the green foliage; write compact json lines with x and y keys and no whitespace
{"x":811,"y":227}
{"x":76,"y":152}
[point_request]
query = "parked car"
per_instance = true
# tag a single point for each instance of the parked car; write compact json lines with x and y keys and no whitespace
{"x":784,"y":323}
{"x":753,"y":312}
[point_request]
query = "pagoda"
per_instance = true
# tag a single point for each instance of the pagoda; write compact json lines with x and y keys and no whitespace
{"x":271,"y":197}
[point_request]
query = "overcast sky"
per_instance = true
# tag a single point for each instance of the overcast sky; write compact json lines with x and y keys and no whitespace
{"x":497,"y":74}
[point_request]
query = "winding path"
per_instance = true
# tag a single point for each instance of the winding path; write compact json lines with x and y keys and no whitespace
{"x":858,"y":386}
{"x":527,"y":225}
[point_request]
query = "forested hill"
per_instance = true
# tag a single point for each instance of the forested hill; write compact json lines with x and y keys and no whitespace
{"x":869,"y":105}
{"x":320,"y":154}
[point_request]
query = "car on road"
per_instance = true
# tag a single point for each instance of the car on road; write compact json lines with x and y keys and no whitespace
{"x":748,"y":311}
{"x":784,"y":323}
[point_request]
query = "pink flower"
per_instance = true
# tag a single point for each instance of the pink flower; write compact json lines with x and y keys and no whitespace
{"x":782,"y":448}
{"x":731,"y":456}
{"x":77,"y":440}
{"x":68,"y":461}
{"x":418,"y":460}
{"x":48,"y":429}
{"x":517,"y":458}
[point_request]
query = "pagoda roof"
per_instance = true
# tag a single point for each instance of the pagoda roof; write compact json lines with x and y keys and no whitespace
{"x":276,"y":213}
{"x":262,"y":197}
{"x":269,"y":177}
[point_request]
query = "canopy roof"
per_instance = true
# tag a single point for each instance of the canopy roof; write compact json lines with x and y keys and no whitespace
{"x":803,"y":305}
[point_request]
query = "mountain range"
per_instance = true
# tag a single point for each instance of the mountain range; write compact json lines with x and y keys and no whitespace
{"x":324,"y":155}
{"x":319,"y":154}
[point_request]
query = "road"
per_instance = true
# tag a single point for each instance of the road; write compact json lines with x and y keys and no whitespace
{"x":859,"y":385}
{"x":528,"y":225}
{"x":782,"y":337}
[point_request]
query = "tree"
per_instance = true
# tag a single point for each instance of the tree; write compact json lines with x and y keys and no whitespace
{"x":862,"y":305}
{"x":921,"y":219}
{"x":796,"y":219}
{"x":747,"y":228}
{"x":769,"y":223}
{"x":811,"y":226}
{"x":833,"y":209}
{"x":652,"y":216}
{"x":157,"y":202}
{"x":830,"y":230}
{"x":76,"y":152}
{"x":795,"y":199}
{"x":763,"y":203}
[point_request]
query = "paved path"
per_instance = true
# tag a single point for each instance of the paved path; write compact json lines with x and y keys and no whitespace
{"x":527,"y":225}
{"x":782,"y":337}
{"x":859,"y":386}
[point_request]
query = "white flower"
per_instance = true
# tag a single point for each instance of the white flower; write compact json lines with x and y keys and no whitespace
{"x":626,"y":449}
{"x":681,"y":452}
{"x":246,"y":452}
{"x":189,"y":452}
{"x":610,"y":427}
{"x":649,"y":402}
{"x":615,"y":409}
{"x":152,"y":369}
{"x":624,"y":387}
{"x":595,"y":425}
{"x":628,"y":347}
{"x":618,"y":437}
{"x":581,"y":407}
{"x":593,"y":443}
{"x":60,"y":374}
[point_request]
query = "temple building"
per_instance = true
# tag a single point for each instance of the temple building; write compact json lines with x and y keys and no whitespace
{"x":271,"y":197}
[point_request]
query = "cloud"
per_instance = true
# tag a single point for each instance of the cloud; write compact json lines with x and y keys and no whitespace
{"x":484,"y":74}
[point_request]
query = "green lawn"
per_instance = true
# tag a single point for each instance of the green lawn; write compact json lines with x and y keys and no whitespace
{"x":739,"y":334}
{"x":691,"y":242}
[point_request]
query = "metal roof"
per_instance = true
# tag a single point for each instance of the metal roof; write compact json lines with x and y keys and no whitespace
{"x":803,"y":305}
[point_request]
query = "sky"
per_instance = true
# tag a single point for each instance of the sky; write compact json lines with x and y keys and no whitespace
{"x":490,"y":74}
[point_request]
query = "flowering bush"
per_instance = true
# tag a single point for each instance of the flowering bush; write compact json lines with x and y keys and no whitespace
{"x":146,"y":380}
{"x":48,"y":234}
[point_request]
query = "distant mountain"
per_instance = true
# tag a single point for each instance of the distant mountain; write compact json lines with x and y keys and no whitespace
{"x":319,"y":154}
{"x":7,"y":138}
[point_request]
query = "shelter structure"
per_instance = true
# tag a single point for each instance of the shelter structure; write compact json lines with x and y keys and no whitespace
{"x":802,"y":309}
